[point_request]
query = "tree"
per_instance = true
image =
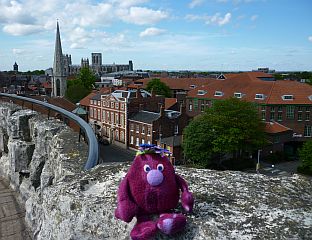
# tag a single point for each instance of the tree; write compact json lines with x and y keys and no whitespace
{"x":305,"y":155}
{"x":158,"y":87}
{"x":229,"y":126}
{"x":86,"y":78}
{"x":80,"y":87}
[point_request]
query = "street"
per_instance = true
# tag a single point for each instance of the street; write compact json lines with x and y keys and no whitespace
{"x":112,"y":153}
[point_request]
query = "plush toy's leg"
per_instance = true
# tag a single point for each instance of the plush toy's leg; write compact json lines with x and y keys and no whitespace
{"x":171,"y":223}
{"x":144,"y":229}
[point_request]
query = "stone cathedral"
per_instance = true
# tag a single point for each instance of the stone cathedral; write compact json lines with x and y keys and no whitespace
{"x":59,"y":84}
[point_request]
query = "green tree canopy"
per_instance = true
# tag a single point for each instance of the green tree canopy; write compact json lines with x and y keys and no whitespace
{"x":229,"y":126}
{"x":80,"y":87}
{"x":305,"y":155}
{"x":158,"y":87}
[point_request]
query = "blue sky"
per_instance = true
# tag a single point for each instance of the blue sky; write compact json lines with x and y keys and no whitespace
{"x":218,"y":35}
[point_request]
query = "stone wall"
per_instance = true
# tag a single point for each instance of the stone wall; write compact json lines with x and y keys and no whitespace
{"x":43,"y":161}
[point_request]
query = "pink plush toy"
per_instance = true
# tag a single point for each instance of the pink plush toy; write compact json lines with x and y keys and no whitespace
{"x":152,"y":187}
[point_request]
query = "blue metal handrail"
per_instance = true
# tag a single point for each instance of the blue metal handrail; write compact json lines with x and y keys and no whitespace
{"x":93,"y":155}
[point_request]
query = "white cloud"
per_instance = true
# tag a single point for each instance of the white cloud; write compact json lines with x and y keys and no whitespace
{"x":17,"y":29}
{"x":216,"y":19}
{"x":152,"y":32}
{"x":310,"y":38}
{"x":195,"y":3}
{"x":129,"y":3}
{"x":18,"y":51}
{"x":254,"y":17}
{"x":141,"y":15}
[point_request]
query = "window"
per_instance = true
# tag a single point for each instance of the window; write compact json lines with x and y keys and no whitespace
{"x":259,"y":96}
{"x":287,"y":97}
{"x":307,"y":116}
{"x":307,"y":109}
{"x":299,"y":116}
{"x":272,"y":115}
{"x":103,"y":116}
{"x":262,"y":108}
{"x":218,"y":94}
{"x":112,"y":104}
{"x":307,"y":131}
{"x":176,"y":129}
{"x":95,"y":114}
{"x":131,"y":127}
{"x":279,"y":116}
{"x":99,"y":114}
{"x":107,"y":115}
{"x":263,"y":116}
{"x":117,"y":118}
{"x":91,"y":112}
{"x":272,"y":109}
{"x":117,"y":105}
{"x":201,"y":92}
{"x":122,"y":136}
{"x":131,"y":140}
{"x":91,"y":102}
{"x":122,"y":119}
{"x":148,"y":142}
{"x":148,"y":131}
{"x":117,"y":135}
{"x":300,"y":108}
{"x":280,"y":108}
{"x":112,"y":118}
{"x":99,"y":103}
{"x":122,"y":106}
{"x":192,"y":86}
{"x":290,"y":112}
{"x":238,"y":95}
{"x":190,"y":107}
{"x":143,"y":141}
{"x":195,"y":103}
{"x":143,"y":130}
{"x":137,"y":143}
{"x":137,"y":128}
{"x":276,"y":139}
{"x":202,"y":106}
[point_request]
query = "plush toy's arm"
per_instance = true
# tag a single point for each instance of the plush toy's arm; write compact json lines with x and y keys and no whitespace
{"x":187,"y":198}
{"x":126,"y":208}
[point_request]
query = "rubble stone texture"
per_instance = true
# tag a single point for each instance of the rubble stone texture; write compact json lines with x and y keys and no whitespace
{"x":64,"y":202}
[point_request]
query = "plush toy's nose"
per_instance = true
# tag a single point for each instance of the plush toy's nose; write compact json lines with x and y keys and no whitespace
{"x":155,"y":177}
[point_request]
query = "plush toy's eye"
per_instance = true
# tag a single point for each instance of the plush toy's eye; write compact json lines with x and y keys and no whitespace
{"x":147,"y":168}
{"x":160,"y":167}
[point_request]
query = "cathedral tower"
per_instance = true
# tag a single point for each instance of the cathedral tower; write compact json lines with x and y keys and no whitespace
{"x":59,"y":83}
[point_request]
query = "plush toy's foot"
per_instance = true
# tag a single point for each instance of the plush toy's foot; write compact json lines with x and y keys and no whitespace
{"x":143,"y":230}
{"x":171,"y":223}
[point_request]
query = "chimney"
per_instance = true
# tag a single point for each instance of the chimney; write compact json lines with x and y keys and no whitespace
{"x":162,"y":110}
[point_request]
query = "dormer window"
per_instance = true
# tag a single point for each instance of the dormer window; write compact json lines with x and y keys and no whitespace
{"x":259,"y":96}
{"x":310,"y":97}
{"x":218,"y":94}
{"x":221,"y":77}
{"x":288,"y":97}
{"x":238,"y":95}
{"x":201,"y":92}
{"x":192,"y":86}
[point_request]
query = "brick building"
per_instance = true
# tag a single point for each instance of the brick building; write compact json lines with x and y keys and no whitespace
{"x":286,"y":102}
{"x":163,"y":128}
{"x":109,"y":113}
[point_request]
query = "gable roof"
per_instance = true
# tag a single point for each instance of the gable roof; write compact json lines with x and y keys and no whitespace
{"x":275,"y":127}
{"x":145,"y":117}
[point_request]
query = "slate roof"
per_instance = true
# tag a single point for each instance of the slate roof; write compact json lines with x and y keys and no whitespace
{"x":145,"y":117}
{"x":176,"y":140}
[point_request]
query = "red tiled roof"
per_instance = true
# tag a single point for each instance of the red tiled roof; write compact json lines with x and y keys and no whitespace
{"x":169,"y":102}
{"x":60,"y":102}
{"x":275,"y":127}
{"x":249,"y":85}
{"x":86,"y":100}
{"x":177,"y":83}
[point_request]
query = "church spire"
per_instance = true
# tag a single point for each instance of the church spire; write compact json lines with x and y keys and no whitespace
{"x":59,"y":79}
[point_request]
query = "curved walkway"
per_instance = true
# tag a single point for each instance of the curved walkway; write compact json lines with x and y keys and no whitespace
{"x":12,"y":225}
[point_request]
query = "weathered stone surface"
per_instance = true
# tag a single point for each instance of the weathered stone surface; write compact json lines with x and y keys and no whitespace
{"x":65,"y":202}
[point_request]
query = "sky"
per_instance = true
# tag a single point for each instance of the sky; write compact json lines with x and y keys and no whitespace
{"x":215,"y":35}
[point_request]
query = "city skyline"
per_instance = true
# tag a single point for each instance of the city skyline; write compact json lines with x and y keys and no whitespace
{"x":224,"y":35}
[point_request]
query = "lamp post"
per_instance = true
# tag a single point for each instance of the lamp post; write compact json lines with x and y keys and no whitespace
{"x":258,"y":162}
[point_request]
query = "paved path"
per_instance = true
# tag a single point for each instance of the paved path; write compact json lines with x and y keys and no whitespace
{"x":12,"y":226}
{"x":112,"y":153}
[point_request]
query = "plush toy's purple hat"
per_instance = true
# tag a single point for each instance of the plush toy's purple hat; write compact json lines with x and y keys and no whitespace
{"x":152,"y":149}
